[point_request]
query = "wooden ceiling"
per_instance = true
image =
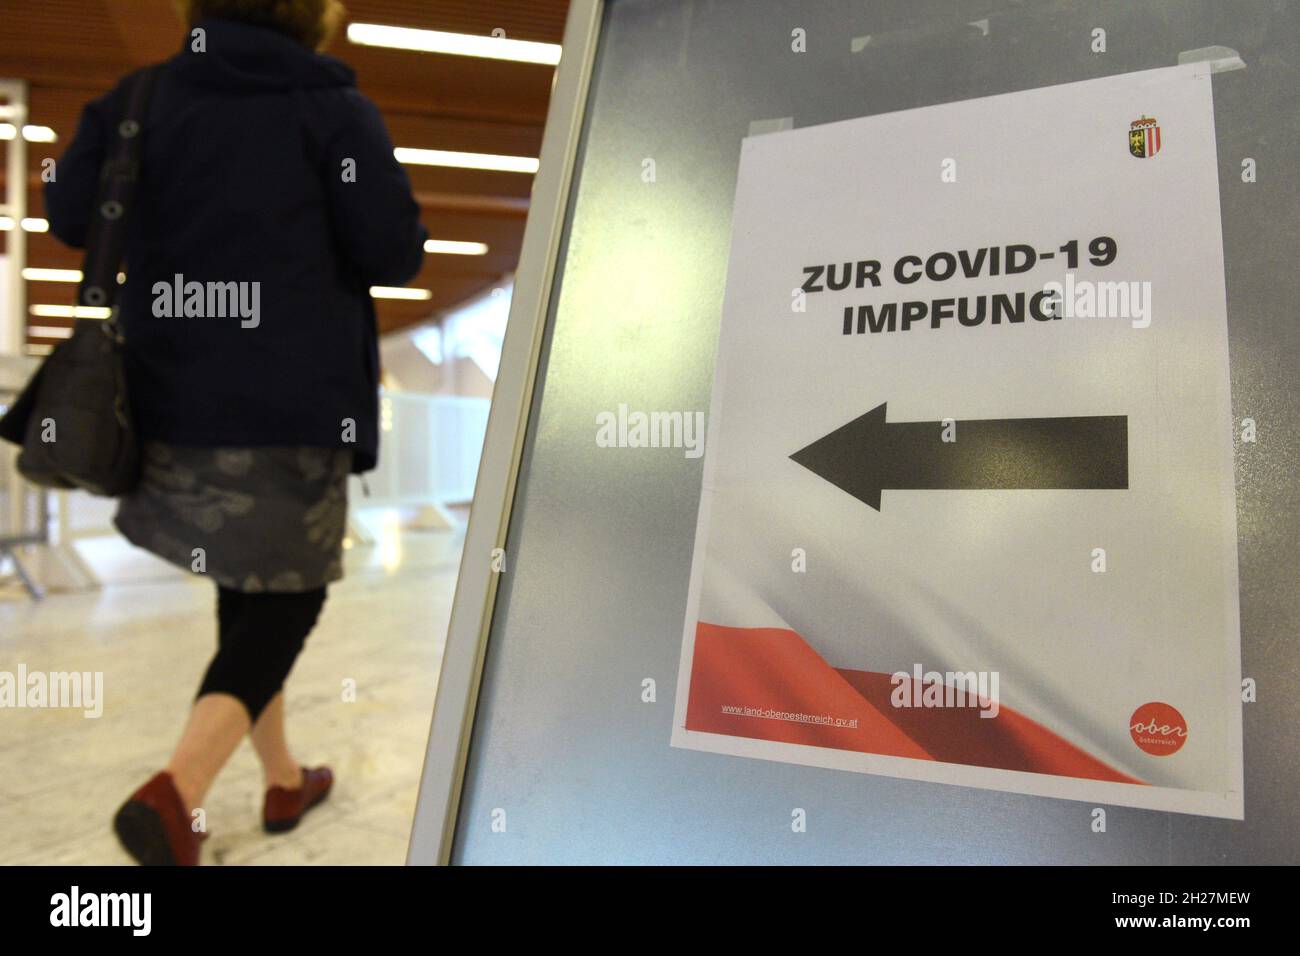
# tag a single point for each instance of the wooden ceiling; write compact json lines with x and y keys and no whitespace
{"x":71,"y":51}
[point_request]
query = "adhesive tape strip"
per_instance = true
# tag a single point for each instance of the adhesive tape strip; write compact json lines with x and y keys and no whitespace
{"x":763,"y":126}
{"x":1221,"y":59}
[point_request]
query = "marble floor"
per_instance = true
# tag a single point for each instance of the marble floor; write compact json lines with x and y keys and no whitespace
{"x":150,"y":630}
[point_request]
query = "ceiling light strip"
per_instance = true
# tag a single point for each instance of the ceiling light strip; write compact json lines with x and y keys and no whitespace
{"x":454,"y":247}
{"x":443,"y":157}
{"x":393,"y":292}
{"x":454,"y":44}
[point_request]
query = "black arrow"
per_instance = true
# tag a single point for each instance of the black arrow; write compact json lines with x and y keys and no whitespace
{"x":867,"y":455}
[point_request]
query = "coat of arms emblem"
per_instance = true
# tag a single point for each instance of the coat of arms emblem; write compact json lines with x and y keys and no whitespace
{"x":1144,"y":137}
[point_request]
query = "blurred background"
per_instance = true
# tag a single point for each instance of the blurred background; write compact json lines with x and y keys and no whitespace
{"x":463,"y":86}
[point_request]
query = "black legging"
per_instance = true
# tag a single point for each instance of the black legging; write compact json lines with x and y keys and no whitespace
{"x":259,"y":637}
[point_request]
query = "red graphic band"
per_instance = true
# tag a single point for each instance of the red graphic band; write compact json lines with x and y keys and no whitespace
{"x":766,"y":683}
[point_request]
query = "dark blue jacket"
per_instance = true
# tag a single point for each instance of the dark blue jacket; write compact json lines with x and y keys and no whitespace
{"x":242,"y":179}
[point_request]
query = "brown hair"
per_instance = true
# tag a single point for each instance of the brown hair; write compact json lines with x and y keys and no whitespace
{"x":310,"y":22}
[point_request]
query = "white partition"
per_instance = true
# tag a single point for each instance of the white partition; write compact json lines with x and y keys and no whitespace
{"x":429,"y":449}
{"x":428,"y":458}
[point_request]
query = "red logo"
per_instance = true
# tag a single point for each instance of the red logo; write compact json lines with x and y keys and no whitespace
{"x":1158,"y":729}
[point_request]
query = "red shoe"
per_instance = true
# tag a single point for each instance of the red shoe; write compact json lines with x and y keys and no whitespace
{"x":154,"y":826}
{"x":284,"y":807}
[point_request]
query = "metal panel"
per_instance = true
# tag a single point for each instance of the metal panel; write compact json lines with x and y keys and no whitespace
{"x":494,"y":490}
{"x":600,"y":541}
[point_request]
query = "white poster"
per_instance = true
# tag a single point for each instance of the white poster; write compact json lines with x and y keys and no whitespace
{"x":968,"y":511}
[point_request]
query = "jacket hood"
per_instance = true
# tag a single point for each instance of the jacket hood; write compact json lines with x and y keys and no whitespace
{"x":242,"y":56}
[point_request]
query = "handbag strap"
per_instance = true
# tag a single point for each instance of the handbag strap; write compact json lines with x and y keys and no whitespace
{"x":106,"y":241}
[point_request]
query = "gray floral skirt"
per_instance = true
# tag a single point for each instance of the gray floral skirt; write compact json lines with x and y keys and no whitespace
{"x":251,"y":519}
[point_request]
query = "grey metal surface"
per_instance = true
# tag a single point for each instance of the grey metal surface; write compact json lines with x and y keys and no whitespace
{"x":600,"y":540}
{"x":503,"y":447}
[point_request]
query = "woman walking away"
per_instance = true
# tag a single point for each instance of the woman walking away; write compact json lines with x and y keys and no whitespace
{"x":268,"y":203}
